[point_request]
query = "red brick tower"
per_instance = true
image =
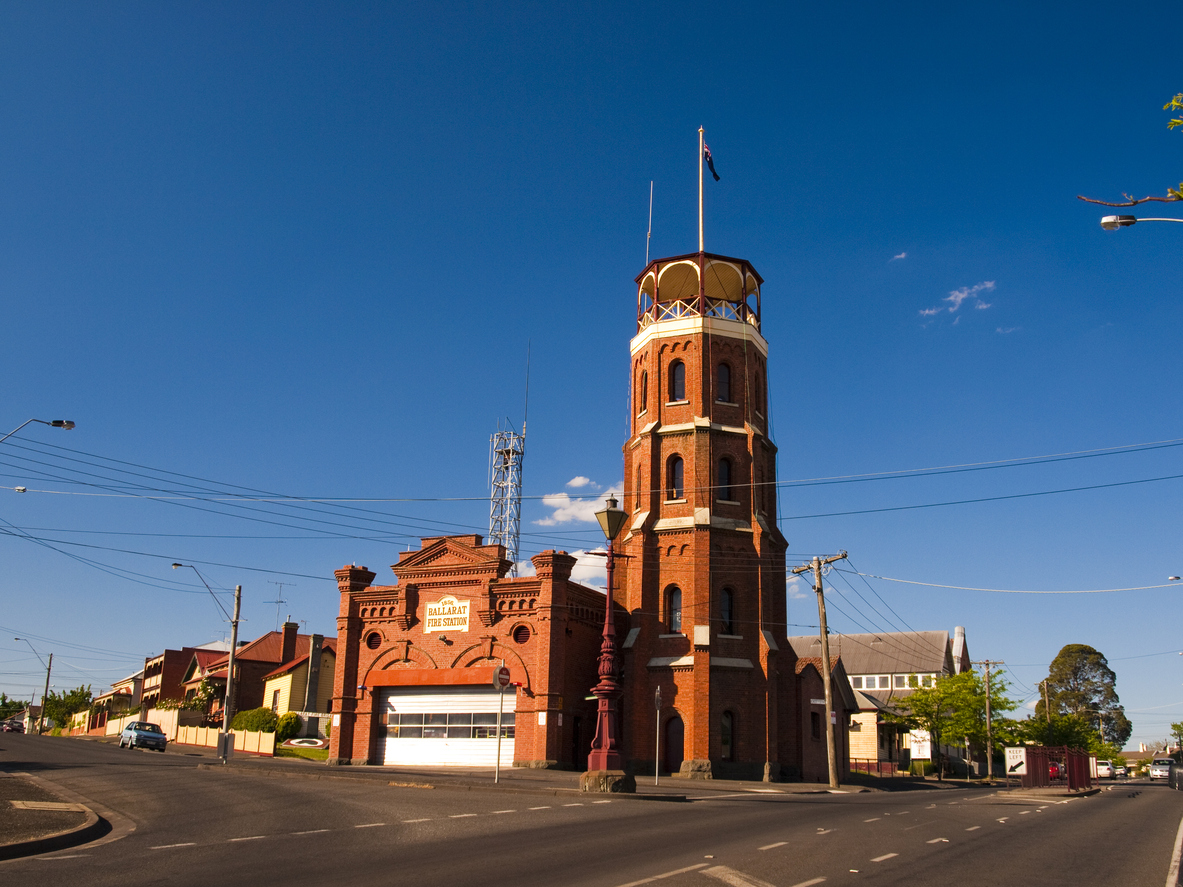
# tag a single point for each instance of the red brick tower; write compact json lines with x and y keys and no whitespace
{"x":703,"y":572}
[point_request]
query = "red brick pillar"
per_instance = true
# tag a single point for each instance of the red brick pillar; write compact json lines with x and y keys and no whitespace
{"x":346,"y":744}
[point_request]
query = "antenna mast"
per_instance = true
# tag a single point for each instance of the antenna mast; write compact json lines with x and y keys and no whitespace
{"x":507,"y":450}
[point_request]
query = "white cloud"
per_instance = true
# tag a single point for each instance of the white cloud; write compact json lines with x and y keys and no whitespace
{"x":796,"y":589}
{"x":900,"y":256}
{"x":579,"y":481}
{"x":589,"y":569}
{"x":929,"y":312}
{"x":981,"y":306}
{"x":1005,"y":330}
{"x":568,"y":510}
{"x":967,"y":292}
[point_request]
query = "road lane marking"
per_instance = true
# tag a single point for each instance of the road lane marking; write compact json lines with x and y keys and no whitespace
{"x":171,"y":846}
{"x":411,"y":820}
{"x":601,"y":802}
{"x":540,"y":808}
{"x":734,"y":878}
{"x":572,"y":805}
{"x":810,"y":882}
{"x":938,"y":841}
{"x":1004,"y":819}
{"x":973,"y":828}
{"x":773,"y":846}
{"x":824,"y":831}
{"x":689,"y":868}
{"x":1173,"y":871}
{"x":766,"y":791}
{"x":876,"y":819}
{"x":461,"y":815}
{"x":495,"y":812}
{"x":369,"y":825}
{"x":884,"y":856}
{"x":1024,"y":812}
{"x":249,"y":838}
{"x":314,"y":831}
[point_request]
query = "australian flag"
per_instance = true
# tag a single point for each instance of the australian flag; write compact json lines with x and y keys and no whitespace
{"x":706,"y":154}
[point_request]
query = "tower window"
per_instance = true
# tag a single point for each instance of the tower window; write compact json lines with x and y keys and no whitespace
{"x":723,"y":383}
{"x":673,"y":609}
{"x":640,"y":500}
{"x":727,"y":611}
{"x":724,"y":490}
{"x":677,"y":381}
{"x":727,"y":737}
{"x":673,"y":487}
{"x":643,"y":394}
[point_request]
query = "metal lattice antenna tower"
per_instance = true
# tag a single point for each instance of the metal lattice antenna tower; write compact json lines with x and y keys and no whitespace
{"x":507,"y":451}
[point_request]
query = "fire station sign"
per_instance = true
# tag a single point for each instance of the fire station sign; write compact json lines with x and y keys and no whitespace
{"x":447,"y":614}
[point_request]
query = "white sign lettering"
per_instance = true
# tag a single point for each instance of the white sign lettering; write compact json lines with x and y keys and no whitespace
{"x":447,"y":614}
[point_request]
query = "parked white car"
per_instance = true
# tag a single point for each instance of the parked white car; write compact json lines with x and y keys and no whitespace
{"x":1160,"y":768}
{"x":1104,"y":770}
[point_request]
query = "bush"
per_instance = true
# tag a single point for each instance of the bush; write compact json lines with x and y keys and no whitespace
{"x":328,"y":730}
{"x":288,"y":727}
{"x":261,"y":720}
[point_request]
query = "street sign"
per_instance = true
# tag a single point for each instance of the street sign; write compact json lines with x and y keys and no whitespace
{"x":1016,"y":761}
{"x":500,"y":677}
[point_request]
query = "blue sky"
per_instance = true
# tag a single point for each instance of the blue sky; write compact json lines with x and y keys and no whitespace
{"x":302,"y":249}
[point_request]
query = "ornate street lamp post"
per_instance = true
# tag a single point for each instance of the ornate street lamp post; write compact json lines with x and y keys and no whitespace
{"x":604,"y":764}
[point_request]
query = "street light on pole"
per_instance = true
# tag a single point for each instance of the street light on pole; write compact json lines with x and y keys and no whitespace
{"x":604,"y":757}
{"x":224,"y":744}
{"x":1112,"y":223}
{"x":48,"y":669}
{"x":52,"y":423}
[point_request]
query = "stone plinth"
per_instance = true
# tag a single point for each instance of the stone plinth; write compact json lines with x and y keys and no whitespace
{"x":607,"y":781}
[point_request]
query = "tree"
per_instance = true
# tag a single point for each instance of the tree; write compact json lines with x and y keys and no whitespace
{"x":58,"y":707}
{"x":1080,"y":682}
{"x":10,"y":707}
{"x":1173,"y":194}
{"x":944,"y":711}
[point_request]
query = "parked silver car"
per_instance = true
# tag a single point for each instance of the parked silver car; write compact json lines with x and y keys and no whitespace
{"x":1160,"y":768}
{"x":143,"y":734}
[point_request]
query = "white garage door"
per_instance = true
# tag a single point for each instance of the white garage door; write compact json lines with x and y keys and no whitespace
{"x":446,"y":726}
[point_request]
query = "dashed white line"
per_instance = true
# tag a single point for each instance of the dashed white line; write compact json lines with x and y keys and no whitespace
{"x":810,"y":882}
{"x":601,"y":802}
{"x":370,"y":825}
{"x":885,"y":856}
{"x":313,"y":831}
{"x":416,"y":820}
{"x":540,"y":808}
{"x":461,"y":815}
{"x":1004,"y":819}
{"x":249,"y":838}
{"x":973,"y":828}
{"x":824,"y":831}
{"x":572,"y":805}
{"x":689,"y":868}
{"x":938,"y":841}
{"x":171,"y":846}
{"x":876,"y":819}
{"x":734,"y":878}
{"x":495,"y":812}
{"x":1024,"y":812}
{"x":773,"y":846}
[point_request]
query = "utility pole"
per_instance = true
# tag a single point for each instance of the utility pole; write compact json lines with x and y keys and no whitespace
{"x":988,"y":663}
{"x":1047,"y":710}
{"x":44,"y":696}
{"x":816,"y":565}
{"x":228,"y":706}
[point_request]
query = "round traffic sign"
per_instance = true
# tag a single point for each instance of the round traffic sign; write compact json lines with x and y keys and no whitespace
{"x":501,"y":677}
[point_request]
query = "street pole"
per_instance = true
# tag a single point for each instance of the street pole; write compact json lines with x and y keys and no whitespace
{"x":228,"y":706}
{"x":1047,"y":710}
{"x":44,"y":696}
{"x":989,"y":720}
{"x":831,"y":747}
{"x":657,"y":745}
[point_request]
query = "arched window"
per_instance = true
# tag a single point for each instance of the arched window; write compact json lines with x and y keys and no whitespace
{"x":723,"y":488}
{"x":673,"y":484}
{"x":643,"y":394}
{"x":727,"y":737}
{"x":637,"y":488}
{"x":673,"y":609}
{"x":727,"y":611}
{"x":723,"y":383}
{"x":677,"y":381}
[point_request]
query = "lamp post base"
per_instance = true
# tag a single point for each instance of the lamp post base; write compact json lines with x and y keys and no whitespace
{"x":612,"y":781}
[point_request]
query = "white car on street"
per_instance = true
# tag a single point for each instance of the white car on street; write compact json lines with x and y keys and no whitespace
{"x":1104,"y":770}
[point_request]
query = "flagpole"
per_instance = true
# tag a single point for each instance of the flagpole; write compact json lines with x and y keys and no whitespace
{"x":700,"y":141}
{"x":649,"y":233}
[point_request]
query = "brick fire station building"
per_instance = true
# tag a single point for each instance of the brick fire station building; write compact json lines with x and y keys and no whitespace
{"x":699,"y":589}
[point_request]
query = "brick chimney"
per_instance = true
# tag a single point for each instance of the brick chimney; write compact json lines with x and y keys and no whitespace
{"x":290,"y":630}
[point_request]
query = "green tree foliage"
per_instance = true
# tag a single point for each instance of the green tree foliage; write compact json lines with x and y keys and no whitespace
{"x":953,"y":709}
{"x":262,"y":720}
{"x":10,"y":707}
{"x":60,"y":706}
{"x":1080,"y":683}
{"x":288,"y":727}
{"x":1173,"y":194}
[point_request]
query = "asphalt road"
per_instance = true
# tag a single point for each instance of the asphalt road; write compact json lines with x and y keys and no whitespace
{"x":175,"y":823}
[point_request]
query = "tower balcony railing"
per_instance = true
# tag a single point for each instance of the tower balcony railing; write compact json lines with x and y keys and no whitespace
{"x":724,"y":309}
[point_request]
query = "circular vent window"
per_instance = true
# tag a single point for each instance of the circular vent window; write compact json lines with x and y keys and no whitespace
{"x":373,"y":640}
{"x":521,"y":634}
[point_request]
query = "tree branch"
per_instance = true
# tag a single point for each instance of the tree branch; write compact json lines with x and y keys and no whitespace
{"x":1130,"y":201}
